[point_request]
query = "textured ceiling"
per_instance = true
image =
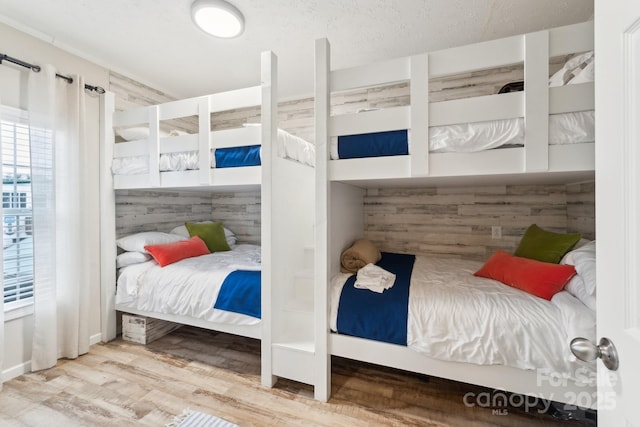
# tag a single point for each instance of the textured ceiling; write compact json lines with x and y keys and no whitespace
{"x":154,"y":41}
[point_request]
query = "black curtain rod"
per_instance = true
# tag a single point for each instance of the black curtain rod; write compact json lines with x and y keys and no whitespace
{"x":36,"y":68}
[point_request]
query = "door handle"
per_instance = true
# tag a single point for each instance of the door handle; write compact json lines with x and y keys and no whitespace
{"x":587,"y":351}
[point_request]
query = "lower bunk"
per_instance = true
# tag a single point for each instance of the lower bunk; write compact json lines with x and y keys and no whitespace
{"x":184,"y":280}
{"x":445,"y":318}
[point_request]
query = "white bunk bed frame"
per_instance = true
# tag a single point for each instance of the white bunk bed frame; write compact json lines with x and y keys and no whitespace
{"x":537,"y":156}
{"x":340,"y":183}
{"x":268,"y":177}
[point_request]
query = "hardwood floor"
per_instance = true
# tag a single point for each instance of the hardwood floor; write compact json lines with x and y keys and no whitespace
{"x":125,"y":384}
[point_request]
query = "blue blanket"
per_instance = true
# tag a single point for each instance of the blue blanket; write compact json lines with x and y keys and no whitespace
{"x":377,"y":144}
{"x":233,"y":157}
{"x":240,"y":293}
{"x":380,"y":317}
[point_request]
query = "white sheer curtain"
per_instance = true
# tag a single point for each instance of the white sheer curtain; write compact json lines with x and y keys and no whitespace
{"x":60,"y":218}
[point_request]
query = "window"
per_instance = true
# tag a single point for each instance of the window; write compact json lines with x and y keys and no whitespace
{"x":14,"y":200}
{"x":17,"y":228}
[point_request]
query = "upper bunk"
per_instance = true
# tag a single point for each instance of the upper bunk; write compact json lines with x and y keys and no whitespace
{"x":146,"y":151}
{"x":410,"y":144}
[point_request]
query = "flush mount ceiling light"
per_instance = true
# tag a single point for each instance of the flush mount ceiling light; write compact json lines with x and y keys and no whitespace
{"x":218,"y":18}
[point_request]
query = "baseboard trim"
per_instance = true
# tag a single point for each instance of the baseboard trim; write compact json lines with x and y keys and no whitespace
{"x":95,"y":339}
{"x":25,"y":367}
{"x":16,"y":371}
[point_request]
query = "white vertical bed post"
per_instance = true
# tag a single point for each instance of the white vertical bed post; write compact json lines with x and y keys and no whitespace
{"x":107,"y":221}
{"x":269,"y":117}
{"x":419,"y":131}
{"x":204,"y":141}
{"x":322,"y":387}
{"x":536,"y":119}
{"x":154,"y":147}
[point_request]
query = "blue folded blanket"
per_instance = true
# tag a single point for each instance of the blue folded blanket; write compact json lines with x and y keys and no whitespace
{"x":378,"y":316}
{"x":377,"y":144}
{"x":240,"y":293}
{"x":233,"y":157}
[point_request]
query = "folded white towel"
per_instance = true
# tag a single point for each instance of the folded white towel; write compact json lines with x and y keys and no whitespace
{"x":374,"y":278}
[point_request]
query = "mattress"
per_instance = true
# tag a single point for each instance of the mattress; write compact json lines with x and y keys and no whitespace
{"x":567,"y":128}
{"x":455,"y":316}
{"x":189,"y":287}
{"x":289,"y":147}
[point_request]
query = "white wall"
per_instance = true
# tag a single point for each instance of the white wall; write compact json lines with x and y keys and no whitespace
{"x":13,"y":87}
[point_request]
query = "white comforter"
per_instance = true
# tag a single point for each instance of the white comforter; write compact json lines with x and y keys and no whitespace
{"x":186,"y":288}
{"x":455,"y":316}
{"x":567,"y":128}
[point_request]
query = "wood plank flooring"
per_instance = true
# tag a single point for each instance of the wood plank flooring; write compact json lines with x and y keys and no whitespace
{"x":125,"y":384}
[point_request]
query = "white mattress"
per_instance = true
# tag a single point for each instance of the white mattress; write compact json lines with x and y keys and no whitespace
{"x":289,"y":147}
{"x":455,"y":316}
{"x":567,"y":128}
{"x":186,"y":288}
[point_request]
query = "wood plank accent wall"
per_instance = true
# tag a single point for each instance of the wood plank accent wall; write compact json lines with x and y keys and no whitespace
{"x":240,"y":212}
{"x":456,"y":222}
{"x":581,"y":209}
{"x":138,"y":210}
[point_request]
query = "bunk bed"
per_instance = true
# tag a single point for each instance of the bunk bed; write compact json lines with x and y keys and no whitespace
{"x":531,"y":126}
{"x":341,"y":180}
{"x":139,"y":152}
{"x":150,"y":157}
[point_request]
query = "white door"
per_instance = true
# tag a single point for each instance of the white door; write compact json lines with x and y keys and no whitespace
{"x":617,"y":50}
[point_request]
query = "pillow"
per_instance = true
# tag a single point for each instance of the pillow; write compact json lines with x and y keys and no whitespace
{"x":137,"y":242}
{"x":169,"y":253}
{"x":587,"y":74}
{"x":541,"y":279}
{"x":130,"y":258}
{"x":580,"y":244}
{"x":211,"y":233}
{"x":576,"y":288}
{"x":570,"y":69}
{"x":181,"y":230}
{"x":584,"y":260}
{"x":545,"y":246}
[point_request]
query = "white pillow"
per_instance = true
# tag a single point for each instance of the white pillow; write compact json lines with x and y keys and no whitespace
{"x":584,"y":260}
{"x":181,"y":230}
{"x":570,"y":69}
{"x":137,"y":242}
{"x":130,"y":258}
{"x":587,"y":74}
{"x":576,"y":288}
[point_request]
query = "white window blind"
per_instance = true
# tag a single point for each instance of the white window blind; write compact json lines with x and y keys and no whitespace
{"x":17,"y":230}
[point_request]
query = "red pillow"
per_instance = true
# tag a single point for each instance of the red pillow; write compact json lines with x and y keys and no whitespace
{"x":169,"y":253}
{"x":541,"y":279}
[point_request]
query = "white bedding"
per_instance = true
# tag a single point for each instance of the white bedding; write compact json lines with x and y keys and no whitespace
{"x":455,"y":316}
{"x":289,"y":147}
{"x":186,"y":288}
{"x":567,"y":128}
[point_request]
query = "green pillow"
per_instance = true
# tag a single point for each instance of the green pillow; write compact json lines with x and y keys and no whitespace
{"x":545,"y":246}
{"x":212,"y":233}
